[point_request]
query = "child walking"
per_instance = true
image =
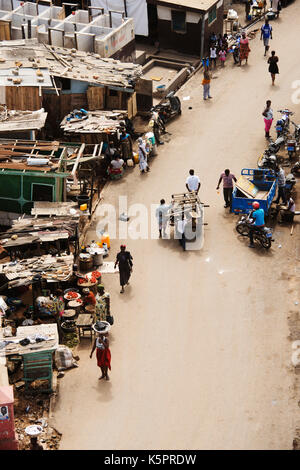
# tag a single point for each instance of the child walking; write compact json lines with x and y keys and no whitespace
{"x":222,"y":55}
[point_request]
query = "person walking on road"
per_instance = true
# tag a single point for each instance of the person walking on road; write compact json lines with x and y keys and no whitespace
{"x":268,"y":118}
{"x":143,"y":156}
{"x":161,"y":215}
{"x":103,"y":355}
{"x":244,"y":48}
{"x":124,"y":260}
{"x":281,"y":185}
{"x":266,"y":35}
{"x":222,"y":55}
{"x":193,"y":182}
{"x":206,"y":84}
{"x":276,"y":7}
{"x":247,"y":8}
{"x":273,"y":67}
{"x":213,"y":55}
{"x":227,"y":179}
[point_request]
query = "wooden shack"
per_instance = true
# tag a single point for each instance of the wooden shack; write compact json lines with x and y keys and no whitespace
{"x":185,"y":25}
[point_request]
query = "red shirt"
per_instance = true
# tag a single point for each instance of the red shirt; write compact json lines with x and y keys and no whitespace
{"x":90,"y":299}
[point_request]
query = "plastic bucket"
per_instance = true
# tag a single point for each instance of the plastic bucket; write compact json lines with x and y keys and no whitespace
{"x":98,"y":259}
{"x":82,"y":199}
{"x":105,"y":239}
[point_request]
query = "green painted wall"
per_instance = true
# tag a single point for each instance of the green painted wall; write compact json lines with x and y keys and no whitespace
{"x":16,"y":192}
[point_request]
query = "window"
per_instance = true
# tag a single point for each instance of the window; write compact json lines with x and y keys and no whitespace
{"x":65,"y":83}
{"x":178,"y":21}
{"x":42,"y":192}
{"x":212,"y":14}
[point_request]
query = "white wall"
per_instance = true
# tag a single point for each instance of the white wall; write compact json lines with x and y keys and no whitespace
{"x":136,"y":9}
{"x":164,"y":13}
{"x":118,"y":39}
{"x":80,"y":16}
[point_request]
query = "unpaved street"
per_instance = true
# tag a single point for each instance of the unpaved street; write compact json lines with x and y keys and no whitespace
{"x":200,"y":352}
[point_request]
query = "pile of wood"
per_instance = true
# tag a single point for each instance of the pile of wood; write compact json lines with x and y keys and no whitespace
{"x":51,"y":268}
{"x":16,"y":120}
{"x":15,"y":154}
{"x":90,"y":67}
{"x":96,"y":122}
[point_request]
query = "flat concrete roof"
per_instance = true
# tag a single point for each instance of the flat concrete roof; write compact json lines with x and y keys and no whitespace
{"x":192,"y":5}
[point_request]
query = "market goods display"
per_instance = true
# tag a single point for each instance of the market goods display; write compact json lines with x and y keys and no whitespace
{"x":71,"y":295}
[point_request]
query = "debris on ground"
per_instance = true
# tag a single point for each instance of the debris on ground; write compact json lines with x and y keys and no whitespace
{"x":36,"y":414}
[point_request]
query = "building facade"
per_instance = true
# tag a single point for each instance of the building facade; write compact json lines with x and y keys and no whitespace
{"x":185,"y":25}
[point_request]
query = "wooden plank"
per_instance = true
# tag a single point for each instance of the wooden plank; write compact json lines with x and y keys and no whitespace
{"x":77,"y":159}
{"x":129,"y":108}
{"x":23,"y":166}
{"x":134,"y":105}
{"x":95,"y":97}
{"x":5,"y":34}
{"x":23,"y":98}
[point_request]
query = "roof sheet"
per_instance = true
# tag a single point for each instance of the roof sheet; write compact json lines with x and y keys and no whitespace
{"x":22,"y":120}
{"x":62,"y":62}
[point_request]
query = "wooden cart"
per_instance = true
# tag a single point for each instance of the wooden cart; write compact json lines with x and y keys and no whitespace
{"x":188,"y":207}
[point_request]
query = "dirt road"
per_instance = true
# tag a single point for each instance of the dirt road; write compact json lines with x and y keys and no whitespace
{"x":200,"y":349}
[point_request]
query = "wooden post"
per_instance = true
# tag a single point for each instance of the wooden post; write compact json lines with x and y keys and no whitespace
{"x":125,"y":8}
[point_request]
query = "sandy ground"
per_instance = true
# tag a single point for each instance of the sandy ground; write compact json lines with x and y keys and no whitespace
{"x":200,"y":352}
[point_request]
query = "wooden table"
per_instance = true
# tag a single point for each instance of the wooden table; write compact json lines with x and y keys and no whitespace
{"x":84,"y":323}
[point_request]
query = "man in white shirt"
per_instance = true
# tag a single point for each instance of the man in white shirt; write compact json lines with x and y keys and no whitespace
{"x":193,"y":182}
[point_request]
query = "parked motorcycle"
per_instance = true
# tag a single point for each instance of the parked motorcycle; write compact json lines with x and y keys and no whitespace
{"x":297,"y":131}
{"x":169,"y":108}
{"x":270,"y":159}
{"x":267,"y":161}
{"x":158,"y":126}
{"x":283,"y":124}
{"x":292,"y":143}
{"x":236,"y":50}
{"x":274,"y":146}
{"x":295,"y":170}
{"x":261,"y":234}
{"x":291,"y":147}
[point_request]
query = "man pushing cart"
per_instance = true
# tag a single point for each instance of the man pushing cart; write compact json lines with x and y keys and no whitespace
{"x":186,"y":215}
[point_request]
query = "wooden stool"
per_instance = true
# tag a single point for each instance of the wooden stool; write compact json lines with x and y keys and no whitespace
{"x":84,"y":323}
